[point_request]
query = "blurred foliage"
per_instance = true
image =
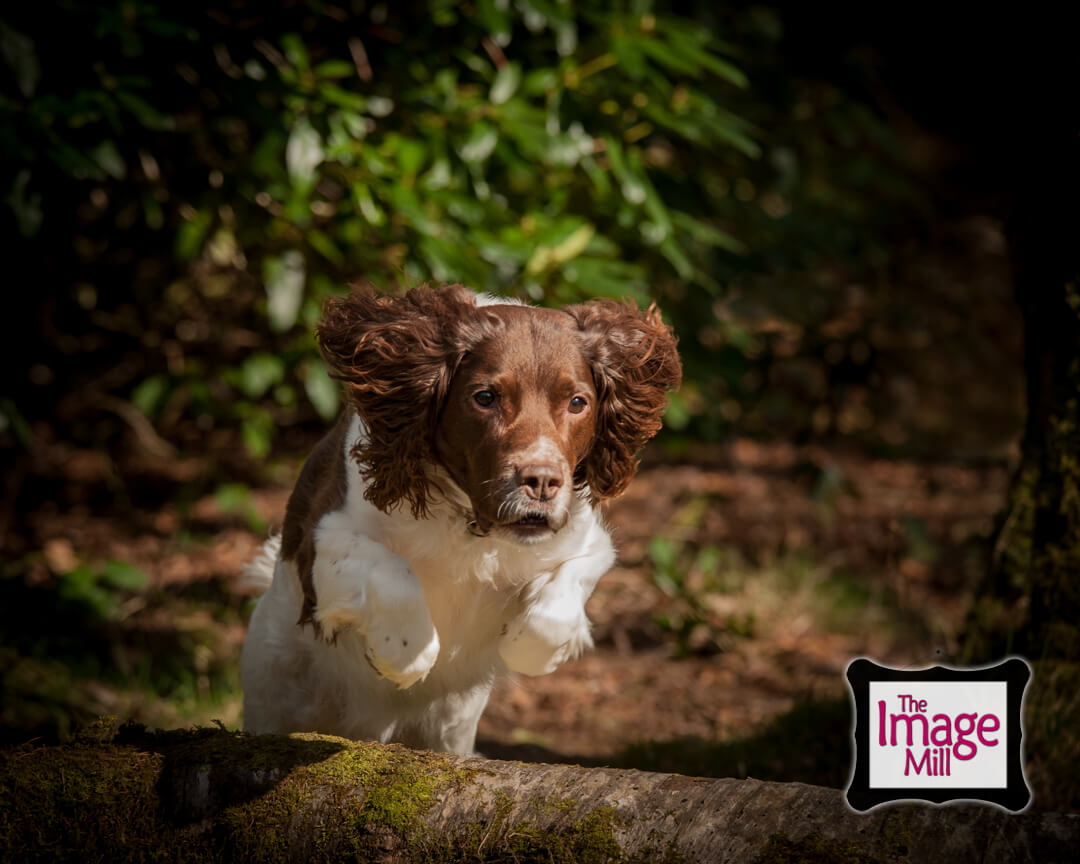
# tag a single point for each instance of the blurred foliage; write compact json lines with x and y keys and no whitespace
{"x":95,"y":590}
{"x":104,"y":639}
{"x":689,"y":578}
{"x":235,"y":498}
{"x":194,"y":180}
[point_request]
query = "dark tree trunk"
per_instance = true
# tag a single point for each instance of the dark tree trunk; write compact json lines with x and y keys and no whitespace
{"x":1031,"y":602}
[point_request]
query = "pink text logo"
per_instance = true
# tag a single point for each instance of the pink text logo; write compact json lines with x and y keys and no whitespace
{"x":938,"y":734}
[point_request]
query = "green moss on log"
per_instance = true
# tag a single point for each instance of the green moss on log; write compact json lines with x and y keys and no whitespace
{"x":146,"y":797}
{"x":88,"y":805}
{"x":589,"y":840}
{"x":220,"y":796}
{"x":362,"y":799}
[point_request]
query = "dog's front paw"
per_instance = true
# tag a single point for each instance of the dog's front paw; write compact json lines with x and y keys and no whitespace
{"x":375,"y":595}
{"x":553,"y":630}
{"x":403,"y":645}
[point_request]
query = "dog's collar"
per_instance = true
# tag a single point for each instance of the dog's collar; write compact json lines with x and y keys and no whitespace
{"x":468,"y":515}
{"x":450,"y":496}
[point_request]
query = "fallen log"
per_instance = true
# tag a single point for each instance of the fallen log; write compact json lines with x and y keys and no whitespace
{"x":213,"y":795}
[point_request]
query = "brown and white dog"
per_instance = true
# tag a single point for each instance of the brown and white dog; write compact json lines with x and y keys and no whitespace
{"x":446,"y":530}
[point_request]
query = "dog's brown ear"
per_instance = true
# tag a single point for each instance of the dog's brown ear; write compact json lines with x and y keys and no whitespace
{"x":396,"y":356}
{"x":634,"y":364}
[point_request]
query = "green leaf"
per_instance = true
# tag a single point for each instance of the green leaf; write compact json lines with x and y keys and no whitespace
{"x":80,"y":587}
{"x":708,"y":560}
{"x":540,"y":82}
{"x":571,"y":247}
{"x":405,"y":202}
{"x":108,"y":158}
{"x":153,"y":212}
{"x":677,"y":415}
{"x":144,"y":112}
{"x":284,"y":278}
{"x":629,"y":55}
{"x":232,"y":497}
{"x":367,"y":206}
{"x":677,"y":258}
{"x":345,"y":99}
{"x":325,"y":247}
{"x":235,"y":498}
{"x":667,"y":56}
{"x":192,"y":233}
{"x":18,"y":50}
{"x":284,"y":395}
{"x":259,"y":373}
{"x":446,"y":261}
{"x":149,"y":394}
{"x":614,"y":150}
{"x":663,"y":552}
{"x":480,"y":143}
{"x":322,"y":390}
{"x":334,"y":69}
{"x":506,"y":83}
{"x":411,"y":154}
{"x":598,"y":177}
{"x":125,"y":576}
{"x":494,"y":18}
{"x":295,"y":51}
{"x":716,"y":65}
{"x":737,"y":139}
{"x":706,"y":233}
{"x":654,"y":204}
{"x":257,"y":431}
{"x":599,"y":277}
{"x":25,"y":204}
{"x":304,"y":152}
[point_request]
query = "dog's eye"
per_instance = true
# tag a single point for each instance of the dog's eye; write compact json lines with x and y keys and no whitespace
{"x":483,"y":398}
{"x":577,"y":405}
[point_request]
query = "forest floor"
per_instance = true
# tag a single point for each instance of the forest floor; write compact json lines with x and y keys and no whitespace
{"x":746,"y":582}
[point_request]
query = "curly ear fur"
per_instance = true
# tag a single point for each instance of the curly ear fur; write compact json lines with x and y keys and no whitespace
{"x":634,"y":364}
{"x":396,"y":357}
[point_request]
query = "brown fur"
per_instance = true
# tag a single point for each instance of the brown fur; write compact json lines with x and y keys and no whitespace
{"x":635,"y":363}
{"x":534,"y":361}
{"x":398,"y":357}
{"x":319,"y":490}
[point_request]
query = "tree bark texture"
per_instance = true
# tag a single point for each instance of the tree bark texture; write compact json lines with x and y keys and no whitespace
{"x":213,"y":795}
{"x":1030,"y":604}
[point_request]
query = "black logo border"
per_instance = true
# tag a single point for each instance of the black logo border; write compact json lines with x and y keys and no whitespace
{"x":1015,"y":797}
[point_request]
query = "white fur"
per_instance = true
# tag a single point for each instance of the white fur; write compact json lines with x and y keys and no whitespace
{"x":425,"y":616}
{"x":259,"y":573}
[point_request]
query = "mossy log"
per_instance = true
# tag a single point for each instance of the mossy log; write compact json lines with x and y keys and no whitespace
{"x":215,"y":795}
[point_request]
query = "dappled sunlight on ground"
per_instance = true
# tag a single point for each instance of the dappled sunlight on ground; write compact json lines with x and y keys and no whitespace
{"x":820,"y":557}
{"x":741,"y":592}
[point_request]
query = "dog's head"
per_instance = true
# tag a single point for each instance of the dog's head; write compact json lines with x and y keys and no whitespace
{"x":519,"y":405}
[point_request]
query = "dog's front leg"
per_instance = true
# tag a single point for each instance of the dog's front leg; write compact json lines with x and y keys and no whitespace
{"x":361,"y":585}
{"x":553,"y":627}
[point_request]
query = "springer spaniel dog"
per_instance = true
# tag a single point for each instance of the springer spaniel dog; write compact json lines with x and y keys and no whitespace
{"x":446,"y":530}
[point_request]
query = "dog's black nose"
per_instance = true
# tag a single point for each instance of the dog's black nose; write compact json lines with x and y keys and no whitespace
{"x":540,"y":481}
